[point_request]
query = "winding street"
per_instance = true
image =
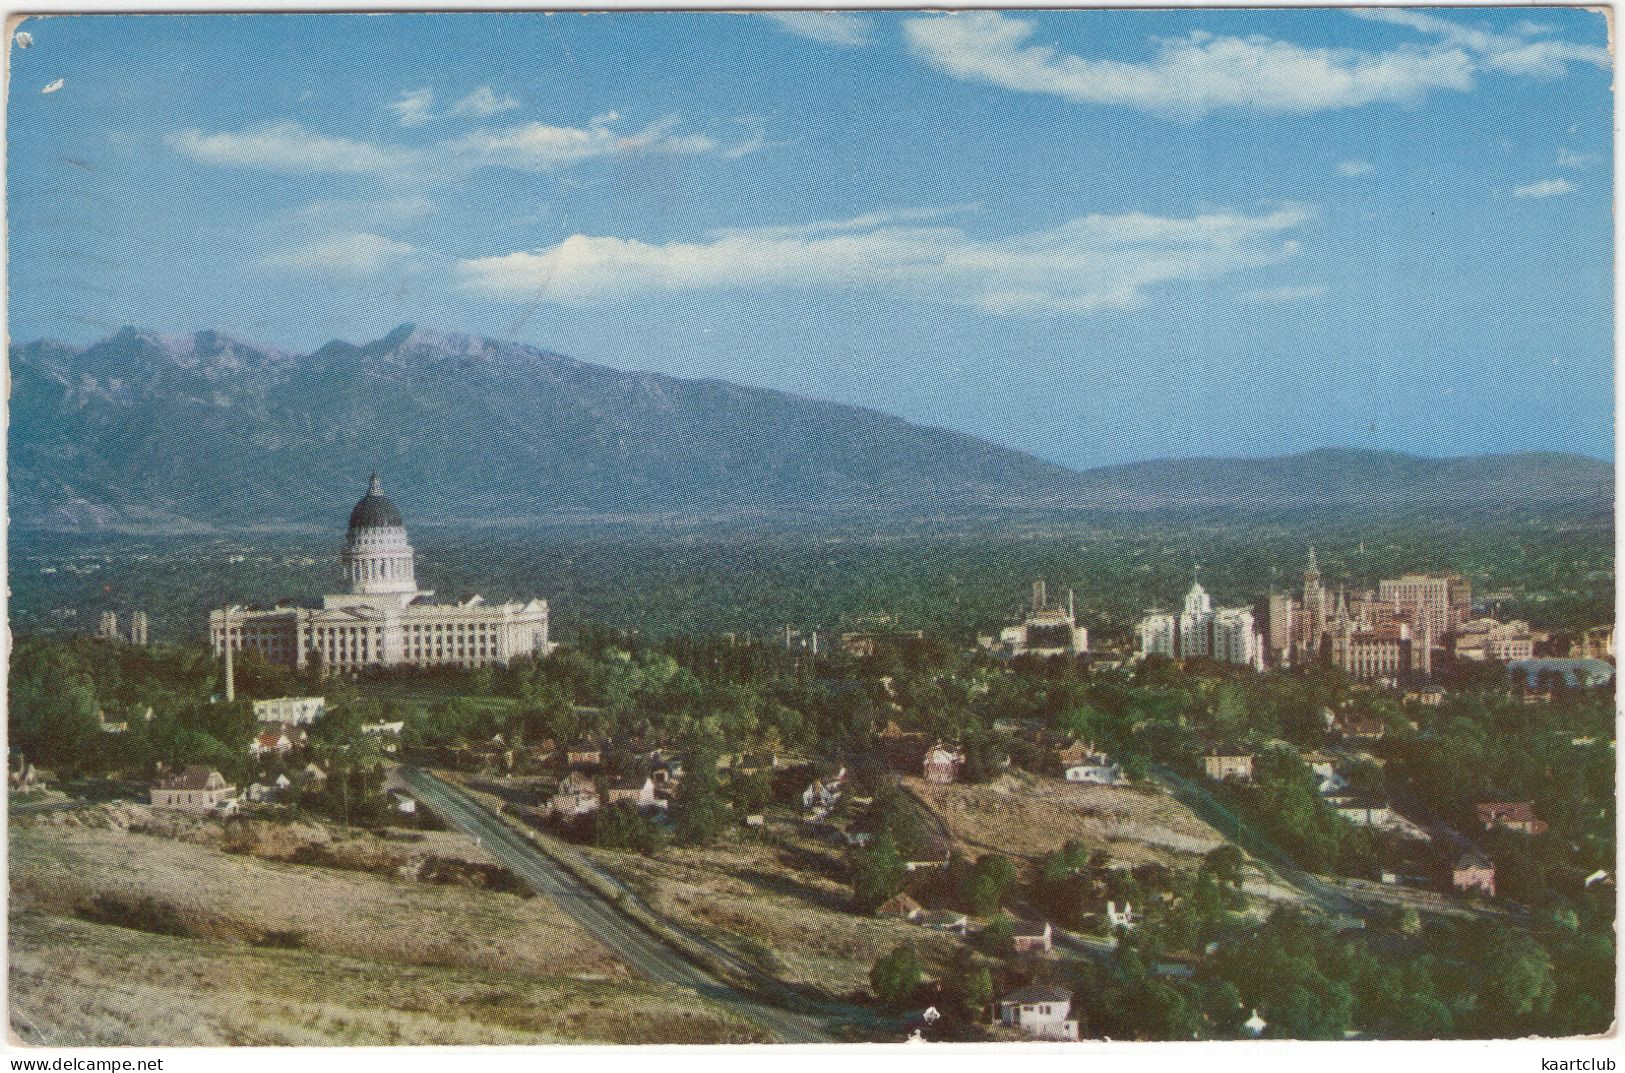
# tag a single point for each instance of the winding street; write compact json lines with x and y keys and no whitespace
{"x":641,"y":949}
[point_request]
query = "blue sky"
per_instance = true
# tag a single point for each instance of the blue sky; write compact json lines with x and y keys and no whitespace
{"x":1095,"y":236}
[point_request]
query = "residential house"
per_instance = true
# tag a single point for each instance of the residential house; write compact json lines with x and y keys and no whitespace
{"x":1073,"y":753}
{"x":1039,"y":1011}
{"x":820,"y":796}
{"x":296,"y":710}
{"x":944,"y":920}
{"x":266,"y":792}
{"x":196,"y":789}
{"x":1120,"y":918}
{"x":942,"y":764}
{"x":1367,"y":812}
{"x":1221,"y":764}
{"x":1474,"y":873}
{"x":1097,"y":770}
{"x":494,"y":755}
{"x":388,"y":734}
{"x":641,"y":792}
{"x":1360,"y":726}
{"x":312,"y":777}
{"x":576,"y":796}
{"x":901,"y":906}
{"x":665,"y":768}
{"x":1032,"y":936}
{"x":1512,"y":815}
{"x":584,"y":753}
{"x":280,"y":740}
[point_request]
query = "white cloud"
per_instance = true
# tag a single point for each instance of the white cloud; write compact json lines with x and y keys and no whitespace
{"x":367,"y":212}
{"x":541,"y":147}
{"x":1188,"y":76}
{"x":827,"y":27}
{"x":866,"y":222}
{"x":484,"y":102}
{"x":1521,"y":52}
{"x":1086,"y":264}
{"x":1200,"y":73}
{"x":1545,"y":188}
{"x":1569,"y":159}
{"x":288,"y":147}
{"x":1354,"y":168}
{"x":414,"y":107}
{"x":1282,"y":295}
{"x":291,"y":148}
{"x":353,"y":253}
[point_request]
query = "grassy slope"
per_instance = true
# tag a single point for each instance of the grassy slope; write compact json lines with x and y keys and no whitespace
{"x":393,"y":959}
{"x":75,"y":982}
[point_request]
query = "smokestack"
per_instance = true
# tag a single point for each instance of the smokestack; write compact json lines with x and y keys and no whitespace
{"x":231,"y":680}
{"x":1040,"y":597}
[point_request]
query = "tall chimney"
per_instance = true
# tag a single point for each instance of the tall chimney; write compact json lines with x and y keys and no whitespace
{"x":231,"y":680}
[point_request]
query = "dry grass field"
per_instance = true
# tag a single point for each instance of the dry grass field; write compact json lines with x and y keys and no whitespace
{"x":778,"y":903}
{"x":1024,"y":816}
{"x":124,"y":938}
{"x":75,"y":982}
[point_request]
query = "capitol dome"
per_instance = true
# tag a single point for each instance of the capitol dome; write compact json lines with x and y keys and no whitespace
{"x":377,"y":559}
{"x":375,"y":511}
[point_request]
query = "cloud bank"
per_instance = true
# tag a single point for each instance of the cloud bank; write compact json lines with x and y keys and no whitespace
{"x":1091,"y":263}
{"x":538,"y":147}
{"x":1201,"y":73}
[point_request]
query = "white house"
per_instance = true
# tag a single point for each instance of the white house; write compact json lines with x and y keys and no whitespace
{"x":1097,"y":770}
{"x":295,"y":710}
{"x":389,"y":734}
{"x":196,"y":789}
{"x":1120,"y":918}
{"x":1039,"y":1011}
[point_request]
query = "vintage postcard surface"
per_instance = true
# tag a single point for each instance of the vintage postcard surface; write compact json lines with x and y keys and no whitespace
{"x":810,"y":527}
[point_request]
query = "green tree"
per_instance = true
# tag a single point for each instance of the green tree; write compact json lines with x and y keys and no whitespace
{"x":878,"y":873}
{"x":895,"y":977}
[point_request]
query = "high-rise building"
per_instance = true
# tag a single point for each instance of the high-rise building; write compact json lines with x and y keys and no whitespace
{"x":138,"y":628}
{"x":1226,"y":634}
{"x":108,"y":629}
{"x":1447,"y":599}
{"x":384,"y":619}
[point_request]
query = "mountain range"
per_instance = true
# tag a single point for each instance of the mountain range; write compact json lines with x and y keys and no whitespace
{"x":202,"y":432}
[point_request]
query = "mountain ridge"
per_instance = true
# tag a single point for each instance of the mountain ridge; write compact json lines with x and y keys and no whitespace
{"x":208,"y":431}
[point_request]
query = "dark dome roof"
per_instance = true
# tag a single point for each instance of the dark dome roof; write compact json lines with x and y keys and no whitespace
{"x":375,"y":511}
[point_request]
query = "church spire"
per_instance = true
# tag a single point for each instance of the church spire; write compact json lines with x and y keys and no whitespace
{"x":374,"y":488}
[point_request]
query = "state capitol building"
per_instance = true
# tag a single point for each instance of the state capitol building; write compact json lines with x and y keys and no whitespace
{"x":384,"y":619}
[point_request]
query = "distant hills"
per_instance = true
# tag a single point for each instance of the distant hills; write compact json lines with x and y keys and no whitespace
{"x":206,"y":432}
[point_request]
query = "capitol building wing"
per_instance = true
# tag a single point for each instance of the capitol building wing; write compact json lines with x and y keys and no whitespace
{"x":384,"y":619}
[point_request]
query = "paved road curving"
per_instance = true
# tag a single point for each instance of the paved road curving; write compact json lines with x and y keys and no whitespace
{"x":645,"y":952}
